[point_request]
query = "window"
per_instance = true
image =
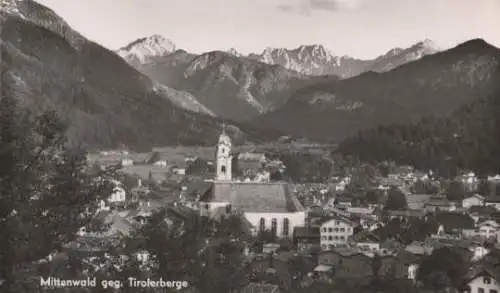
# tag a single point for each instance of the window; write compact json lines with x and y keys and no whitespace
{"x":228,"y":209}
{"x":223,"y":169}
{"x":330,"y":238}
{"x":342,"y":229}
{"x":324,"y":238}
{"x":480,"y":290}
{"x":262,"y":226}
{"x":336,"y":229}
{"x":486,"y":280}
{"x":324,"y":230}
{"x":274,"y":226}
{"x":342,"y":237}
{"x":493,"y":291}
{"x":337,"y":223}
{"x":336,"y":237}
{"x":286,"y":227}
{"x":330,"y":230}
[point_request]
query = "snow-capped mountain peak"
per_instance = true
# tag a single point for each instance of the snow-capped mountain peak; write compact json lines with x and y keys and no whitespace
{"x":428,"y":46}
{"x":144,"y":50}
{"x":308,"y":59}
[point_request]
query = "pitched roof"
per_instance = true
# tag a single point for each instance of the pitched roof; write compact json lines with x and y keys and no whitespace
{"x":482,"y":210}
{"x":438,"y":201}
{"x":417,"y":201}
{"x":255,"y":197}
{"x":338,"y":218}
{"x":407,"y":213}
{"x":493,"y":199}
{"x":451,"y":221}
{"x":483,"y":271}
{"x":306,"y":232}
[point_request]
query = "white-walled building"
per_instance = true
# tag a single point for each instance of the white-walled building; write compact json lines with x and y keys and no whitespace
{"x":336,"y":232}
{"x":483,"y":281}
{"x":265,"y":205}
{"x":474,"y":200}
{"x":118,"y":195}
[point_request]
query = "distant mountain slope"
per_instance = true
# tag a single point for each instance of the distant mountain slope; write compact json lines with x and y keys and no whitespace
{"x":235,"y":88}
{"x":434,"y":85}
{"x":467,"y":140}
{"x":108,"y":103}
{"x":397,"y":56}
{"x":317,"y":60}
{"x":312,"y":60}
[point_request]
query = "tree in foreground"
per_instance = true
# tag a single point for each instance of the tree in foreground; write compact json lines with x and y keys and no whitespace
{"x":396,"y":200}
{"x":47,"y":193}
{"x":444,"y":268}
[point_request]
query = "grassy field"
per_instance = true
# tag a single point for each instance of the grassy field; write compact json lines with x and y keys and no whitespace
{"x":142,"y":171}
{"x":177,"y":155}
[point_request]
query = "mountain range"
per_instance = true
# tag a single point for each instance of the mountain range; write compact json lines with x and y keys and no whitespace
{"x":434,"y":85}
{"x":107,"y":102}
{"x":255,"y":84}
{"x":306,"y":59}
{"x":151,"y":93}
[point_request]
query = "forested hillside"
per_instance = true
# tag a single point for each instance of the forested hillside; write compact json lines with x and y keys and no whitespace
{"x":468,"y":139}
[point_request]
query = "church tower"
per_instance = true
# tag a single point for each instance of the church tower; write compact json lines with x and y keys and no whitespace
{"x":224,"y":157}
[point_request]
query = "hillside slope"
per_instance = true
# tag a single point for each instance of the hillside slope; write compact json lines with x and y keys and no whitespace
{"x":434,"y":85}
{"x":235,"y":88}
{"x":467,"y":140}
{"x":107,"y":103}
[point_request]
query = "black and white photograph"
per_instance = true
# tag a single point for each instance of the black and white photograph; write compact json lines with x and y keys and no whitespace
{"x":250,"y":146}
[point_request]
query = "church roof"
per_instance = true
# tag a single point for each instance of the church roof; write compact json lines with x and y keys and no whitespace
{"x":274,"y":197}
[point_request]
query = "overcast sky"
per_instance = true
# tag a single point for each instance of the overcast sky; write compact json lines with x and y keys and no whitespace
{"x":359,"y":28}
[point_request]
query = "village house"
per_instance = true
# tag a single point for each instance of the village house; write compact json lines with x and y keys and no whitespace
{"x":127,"y":162}
{"x":483,"y":280}
{"x":454,"y":225}
{"x":474,"y":200}
{"x":417,"y":201}
{"x":336,"y":232}
{"x":367,"y":242}
{"x":406,"y":214}
{"x":439,"y":203}
{"x":352,"y":263}
{"x":307,"y":239}
{"x":276,"y":267}
{"x":369,"y":224}
{"x":118,"y":194}
{"x":493,"y":201}
{"x":488,"y":229}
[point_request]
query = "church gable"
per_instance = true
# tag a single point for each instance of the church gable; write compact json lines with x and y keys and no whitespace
{"x":255,"y":197}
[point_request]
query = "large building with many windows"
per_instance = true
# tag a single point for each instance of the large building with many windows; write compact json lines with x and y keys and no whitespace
{"x":268,"y":206}
{"x":336,"y":232}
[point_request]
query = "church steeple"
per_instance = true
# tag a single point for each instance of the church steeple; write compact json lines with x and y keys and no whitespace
{"x":223,"y":156}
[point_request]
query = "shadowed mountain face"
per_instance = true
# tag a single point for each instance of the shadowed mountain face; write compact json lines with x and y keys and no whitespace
{"x":238,"y":87}
{"x":235,"y":88}
{"x":107,"y":103}
{"x":434,"y":85}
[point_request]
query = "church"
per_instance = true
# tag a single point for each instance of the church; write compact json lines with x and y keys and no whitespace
{"x":265,"y":205}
